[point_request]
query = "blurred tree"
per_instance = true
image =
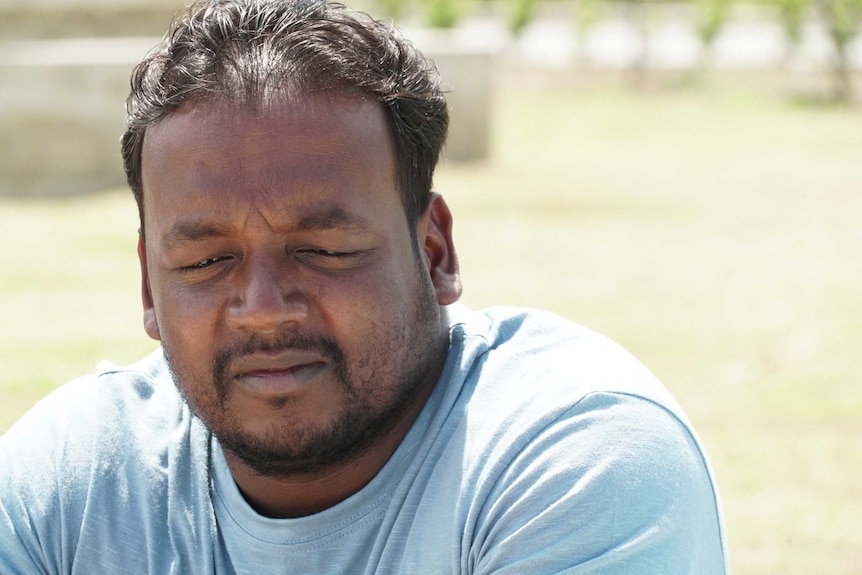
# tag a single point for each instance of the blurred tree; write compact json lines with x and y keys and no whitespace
{"x":520,"y":14}
{"x":587,"y":14}
{"x":792,"y":15}
{"x":392,"y":8}
{"x":711,"y":18}
{"x":443,"y":13}
{"x":637,"y":13}
{"x":843,"y":18}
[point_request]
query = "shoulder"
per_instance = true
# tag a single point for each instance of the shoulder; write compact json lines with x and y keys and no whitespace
{"x":571,"y":442}
{"x":537,"y":378}
{"x":99,"y":437}
{"x":105,"y":409}
{"x":524,"y":357}
{"x":616,"y":482}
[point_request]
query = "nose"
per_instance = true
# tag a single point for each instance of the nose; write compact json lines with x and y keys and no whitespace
{"x":265,"y":299}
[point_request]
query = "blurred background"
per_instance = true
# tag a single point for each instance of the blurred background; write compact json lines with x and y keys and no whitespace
{"x":685,"y":177}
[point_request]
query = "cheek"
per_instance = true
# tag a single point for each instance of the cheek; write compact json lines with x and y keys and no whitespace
{"x":375,"y":320}
{"x":186,"y":320}
{"x":379,"y":296}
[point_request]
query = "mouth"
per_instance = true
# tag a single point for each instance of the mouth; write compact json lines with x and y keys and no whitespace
{"x":280,"y":375}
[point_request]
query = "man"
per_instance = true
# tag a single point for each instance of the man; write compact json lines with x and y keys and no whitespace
{"x":320,"y":403}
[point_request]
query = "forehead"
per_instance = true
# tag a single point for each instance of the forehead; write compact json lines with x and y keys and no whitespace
{"x":303,"y":149}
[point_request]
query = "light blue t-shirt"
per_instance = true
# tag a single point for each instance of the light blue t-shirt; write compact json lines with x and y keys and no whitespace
{"x":545,"y":448}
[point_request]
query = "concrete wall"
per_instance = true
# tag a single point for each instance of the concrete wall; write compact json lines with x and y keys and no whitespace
{"x":61,"y":115}
{"x":64,"y":74}
{"x":467,"y":78}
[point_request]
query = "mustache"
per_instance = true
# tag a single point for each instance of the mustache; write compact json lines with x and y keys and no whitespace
{"x":224,"y":357}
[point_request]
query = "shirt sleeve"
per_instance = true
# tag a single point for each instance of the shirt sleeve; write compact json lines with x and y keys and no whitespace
{"x":618,"y":486}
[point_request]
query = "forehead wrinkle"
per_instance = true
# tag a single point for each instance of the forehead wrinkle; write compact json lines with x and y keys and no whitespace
{"x":304,"y":214}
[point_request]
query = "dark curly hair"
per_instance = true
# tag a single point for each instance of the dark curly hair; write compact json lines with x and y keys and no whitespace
{"x":249,"y":51}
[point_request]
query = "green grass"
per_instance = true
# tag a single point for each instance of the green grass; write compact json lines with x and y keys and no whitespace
{"x":715,"y":234}
{"x":68,"y":293}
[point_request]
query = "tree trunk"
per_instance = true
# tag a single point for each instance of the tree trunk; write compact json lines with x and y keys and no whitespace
{"x":842,"y":87}
{"x":638,"y":16}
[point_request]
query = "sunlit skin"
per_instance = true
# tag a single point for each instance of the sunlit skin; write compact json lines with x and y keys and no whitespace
{"x":280,"y":275}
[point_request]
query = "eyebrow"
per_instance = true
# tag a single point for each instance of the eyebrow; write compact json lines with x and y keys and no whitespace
{"x":185,"y":231}
{"x":332,"y":218}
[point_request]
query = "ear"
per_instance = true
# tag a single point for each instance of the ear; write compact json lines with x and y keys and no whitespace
{"x":434,"y":234}
{"x":150,"y":324}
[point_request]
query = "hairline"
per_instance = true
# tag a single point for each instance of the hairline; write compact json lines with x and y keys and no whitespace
{"x":401,"y":80}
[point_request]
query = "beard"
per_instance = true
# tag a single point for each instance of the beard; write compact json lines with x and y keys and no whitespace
{"x":399,"y":361}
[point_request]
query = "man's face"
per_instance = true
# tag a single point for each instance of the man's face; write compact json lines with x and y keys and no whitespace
{"x":300,"y":319}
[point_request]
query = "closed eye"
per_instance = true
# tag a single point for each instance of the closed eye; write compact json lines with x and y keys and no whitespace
{"x":333,"y":260}
{"x":333,"y":254}
{"x":204,"y":263}
{"x":327,"y":253}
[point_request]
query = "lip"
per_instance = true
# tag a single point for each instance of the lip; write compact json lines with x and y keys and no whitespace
{"x":277,"y":375}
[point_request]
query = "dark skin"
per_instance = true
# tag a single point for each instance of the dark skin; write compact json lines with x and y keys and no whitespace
{"x":277,"y":241}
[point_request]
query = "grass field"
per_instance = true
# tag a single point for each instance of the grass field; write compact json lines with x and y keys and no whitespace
{"x":715,"y":234}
